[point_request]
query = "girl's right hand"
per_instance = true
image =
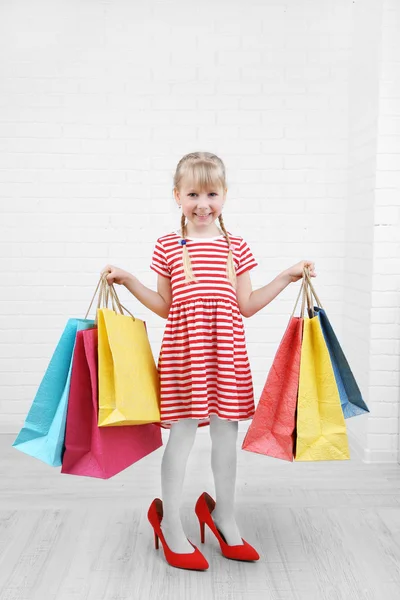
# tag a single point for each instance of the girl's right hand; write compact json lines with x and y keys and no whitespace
{"x":115,"y":275}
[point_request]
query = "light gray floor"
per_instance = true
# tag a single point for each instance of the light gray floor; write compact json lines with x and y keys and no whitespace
{"x":328,"y":530}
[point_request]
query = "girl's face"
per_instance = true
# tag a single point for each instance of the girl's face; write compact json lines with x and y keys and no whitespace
{"x":201,"y":207}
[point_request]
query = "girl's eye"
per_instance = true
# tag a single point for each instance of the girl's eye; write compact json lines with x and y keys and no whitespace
{"x":211,"y":194}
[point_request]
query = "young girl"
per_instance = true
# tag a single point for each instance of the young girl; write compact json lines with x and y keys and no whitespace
{"x":203,"y":290}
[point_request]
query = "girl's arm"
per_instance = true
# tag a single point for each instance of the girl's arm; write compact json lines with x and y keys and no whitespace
{"x":263,"y":296}
{"x":151,"y":299}
{"x":257,"y":299}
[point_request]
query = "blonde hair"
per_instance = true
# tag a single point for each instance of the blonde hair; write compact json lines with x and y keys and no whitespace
{"x":204,"y":170}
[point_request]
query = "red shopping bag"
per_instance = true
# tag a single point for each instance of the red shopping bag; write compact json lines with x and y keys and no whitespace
{"x":272,"y":430}
{"x":90,"y":450}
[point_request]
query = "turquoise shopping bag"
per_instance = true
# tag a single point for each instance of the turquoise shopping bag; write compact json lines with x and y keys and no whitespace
{"x":43,"y":433}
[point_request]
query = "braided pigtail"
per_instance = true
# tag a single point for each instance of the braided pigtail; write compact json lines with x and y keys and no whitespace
{"x":187,"y":263}
{"x":230,"y":265}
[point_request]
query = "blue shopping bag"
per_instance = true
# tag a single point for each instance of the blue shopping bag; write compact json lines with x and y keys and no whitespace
{"x":43,"y":433}
{"x":350,"y":395}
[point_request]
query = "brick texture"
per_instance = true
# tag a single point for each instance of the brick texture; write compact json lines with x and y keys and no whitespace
{"x":100,"y":100}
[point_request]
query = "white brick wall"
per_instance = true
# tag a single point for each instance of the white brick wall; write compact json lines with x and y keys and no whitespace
{"x":383,"y":429}
{"x":99,"y":103}
{"x":363,"y":93}
{"x":371,"y":320}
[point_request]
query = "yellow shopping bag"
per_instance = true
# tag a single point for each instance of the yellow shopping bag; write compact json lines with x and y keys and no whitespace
{"x":320,"y":423}
{"x":129,"y":389}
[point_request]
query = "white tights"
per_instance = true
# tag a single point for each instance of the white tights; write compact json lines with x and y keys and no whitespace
{"x":223,"y":435}
{"x":173,"y":468}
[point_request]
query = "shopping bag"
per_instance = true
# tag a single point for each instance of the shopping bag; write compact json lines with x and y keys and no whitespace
{"x":91,"y":450}
{"x":42,"y":435}
{"x":350,"y":395}
{"x":320,"y":426}
{"x":271,"y":431}
{"x":129,"y":387}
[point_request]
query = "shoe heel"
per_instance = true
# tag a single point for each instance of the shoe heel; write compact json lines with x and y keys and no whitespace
{"x":204,"y":507}
{"x":202,"y":531}
{"x":185,"y":560}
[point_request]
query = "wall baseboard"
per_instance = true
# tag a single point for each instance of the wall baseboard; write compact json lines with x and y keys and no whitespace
{"x":380,"y":456}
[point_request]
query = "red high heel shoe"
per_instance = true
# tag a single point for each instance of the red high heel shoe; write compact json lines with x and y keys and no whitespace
{"x":204,"y":507}
{"x":191,"y":560}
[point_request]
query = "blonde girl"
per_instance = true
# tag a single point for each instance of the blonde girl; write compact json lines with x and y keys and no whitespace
{"x":203,"y":290}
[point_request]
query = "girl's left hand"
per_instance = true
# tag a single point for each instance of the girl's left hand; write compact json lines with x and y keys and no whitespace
{"x":296,"y":272}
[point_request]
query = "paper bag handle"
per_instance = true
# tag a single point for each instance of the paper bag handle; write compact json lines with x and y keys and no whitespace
{"x":106,"y":291}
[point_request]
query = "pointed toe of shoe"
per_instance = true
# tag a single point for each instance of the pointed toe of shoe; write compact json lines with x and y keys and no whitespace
{"x":195,"y":561}
{"x":252,"y":553}
{"x":241,"y":552}
{"x":200,"y":561}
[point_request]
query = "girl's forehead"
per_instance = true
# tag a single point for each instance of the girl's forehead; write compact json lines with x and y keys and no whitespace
{"x":192,"y":185}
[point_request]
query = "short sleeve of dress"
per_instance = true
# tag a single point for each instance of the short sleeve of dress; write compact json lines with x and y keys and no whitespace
{"x":247,"y":260}
{"x":159,"y":262}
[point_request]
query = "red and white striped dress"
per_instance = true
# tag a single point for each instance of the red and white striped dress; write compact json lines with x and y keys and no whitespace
{"x":203,"y":364}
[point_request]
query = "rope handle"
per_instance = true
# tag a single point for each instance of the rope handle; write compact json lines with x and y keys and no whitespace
{"x":106,"y":292}
{"x":100,"y":283}
{"x":307,"y":290}
{"x":310,"y":305}
{"x":303,"y":292}
{"x":311,"y":287}
{"x":121,"y":307}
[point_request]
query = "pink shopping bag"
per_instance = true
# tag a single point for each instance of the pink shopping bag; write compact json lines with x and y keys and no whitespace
{"x":91,"y":450}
